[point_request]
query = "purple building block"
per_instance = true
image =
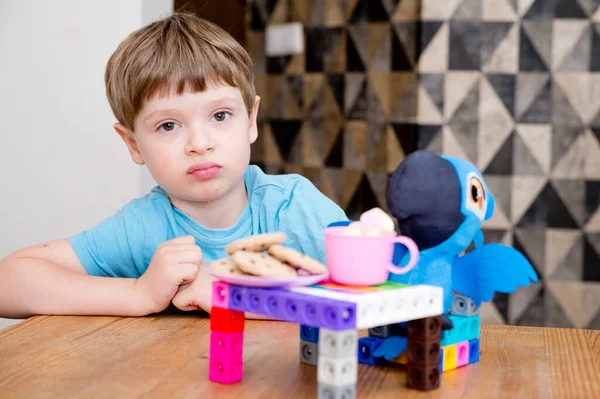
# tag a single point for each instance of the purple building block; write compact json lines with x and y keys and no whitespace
{"x":295,"y":307}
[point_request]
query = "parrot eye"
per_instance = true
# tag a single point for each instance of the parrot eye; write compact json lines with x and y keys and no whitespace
{"x":477,"y":193}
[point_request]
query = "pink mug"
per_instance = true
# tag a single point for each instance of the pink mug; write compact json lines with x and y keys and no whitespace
{"x":362,"y":261}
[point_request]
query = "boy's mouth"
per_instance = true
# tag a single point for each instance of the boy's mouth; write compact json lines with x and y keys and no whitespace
{"x":204,"y":170}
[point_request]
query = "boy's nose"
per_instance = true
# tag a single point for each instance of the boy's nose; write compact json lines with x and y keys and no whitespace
{"x":198,"y":142}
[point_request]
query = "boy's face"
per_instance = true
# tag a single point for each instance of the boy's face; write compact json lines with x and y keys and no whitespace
{"x":195,"y":145}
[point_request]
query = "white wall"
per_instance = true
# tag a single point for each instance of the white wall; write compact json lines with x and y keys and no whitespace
{"x":62,"y":166}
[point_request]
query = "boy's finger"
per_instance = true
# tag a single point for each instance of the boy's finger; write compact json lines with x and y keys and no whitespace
{"x":186,"y":272}
{"x":187,"y":256}
{"x":183,"y":240}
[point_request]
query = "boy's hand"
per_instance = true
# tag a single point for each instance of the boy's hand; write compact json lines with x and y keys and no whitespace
{"x":174,"y":263}
{"x":198,"y":294}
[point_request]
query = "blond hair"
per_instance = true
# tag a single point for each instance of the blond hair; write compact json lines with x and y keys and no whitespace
{"x":180,"y":52}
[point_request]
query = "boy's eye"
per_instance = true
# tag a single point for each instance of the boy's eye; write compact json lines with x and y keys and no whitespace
{"x":168,"y":126}
{"x":221,"y":116}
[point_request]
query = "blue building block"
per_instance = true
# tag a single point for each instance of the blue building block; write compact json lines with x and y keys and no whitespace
{"x":295,"y":307}
{"x":473,"y":351}
{"x":366,"y":348}
{"x":309,"y":334}
{"x":441,"y":360}
{"x":465,"y":329}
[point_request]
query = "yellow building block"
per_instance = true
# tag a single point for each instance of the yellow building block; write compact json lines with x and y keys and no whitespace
{"x":449,"y":357}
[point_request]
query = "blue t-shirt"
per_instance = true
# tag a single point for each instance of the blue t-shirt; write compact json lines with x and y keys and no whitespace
{"x":123,"y":244}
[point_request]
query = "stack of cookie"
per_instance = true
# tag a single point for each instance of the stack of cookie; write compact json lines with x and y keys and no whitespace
{"x":263,"y":255}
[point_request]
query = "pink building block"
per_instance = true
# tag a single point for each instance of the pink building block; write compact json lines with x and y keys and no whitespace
{"x":226,"y":345}
{"x":220,"y":295}
{"x":462,"y":353}
{"x":225,"y":370}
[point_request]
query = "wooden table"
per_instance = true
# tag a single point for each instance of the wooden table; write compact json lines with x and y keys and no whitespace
{"x":166,"y":356}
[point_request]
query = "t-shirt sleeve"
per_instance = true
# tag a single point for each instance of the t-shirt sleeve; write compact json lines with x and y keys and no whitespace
{"x":303,"y":216}
{"x":115,"y":246}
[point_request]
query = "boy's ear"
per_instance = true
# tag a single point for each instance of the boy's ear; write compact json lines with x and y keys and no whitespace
{"x":129,"y":139}
{"x":253,"y":116}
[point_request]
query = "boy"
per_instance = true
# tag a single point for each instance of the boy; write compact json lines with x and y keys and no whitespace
{"x":183,"y":94}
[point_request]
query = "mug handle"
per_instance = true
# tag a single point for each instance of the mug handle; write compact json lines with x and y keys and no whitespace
{"x":414,"y":255}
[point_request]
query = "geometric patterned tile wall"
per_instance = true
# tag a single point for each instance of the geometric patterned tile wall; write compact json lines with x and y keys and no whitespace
{"x":513,"y":86}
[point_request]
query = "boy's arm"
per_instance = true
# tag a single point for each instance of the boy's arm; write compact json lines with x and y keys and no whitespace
{"x":50,"y":279}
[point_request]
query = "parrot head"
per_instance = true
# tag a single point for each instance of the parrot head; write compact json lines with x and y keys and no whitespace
{"x":431,"y":195}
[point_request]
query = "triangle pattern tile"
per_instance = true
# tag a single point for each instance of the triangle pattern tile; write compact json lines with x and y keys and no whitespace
{"x":427,"y":134}
{"x":529,"y":58}
{"x":428,"y":112}
{"x":559,"y":243}
{"x":524,"y":164}
{"x":390,"y":5}
{"x":489,"y":314}
{"x":468,"y":10}
{"x":379,"y":160}
{"x":291,"y":108}
{"x":523,"y":6}
{"x":595,"y":50}
{"x":434,"y":85}
{"x":577,"y":88}
{"x":333,"y":14}
{"x":540,"y":109}
{"x":500,"y":187}
{"x":270,"y":147}
{"x":311,"y":89}
{"x":506,"y":57}
{"x":408,"y":34}
{"x":347,"y":7}
{"x":360,"y":12}
{"x":514,"y":4}
{"x":407,"y":10}
{"x":354,"y":148}
{"x":498,"y":10}
{"x":438,"y":10}
{"x":451,"y":146}
{"x":500,"y":302}
{"x":434,"y":57}
{"x":336,"y":84}
{"x":596,"y":16}
{"x":380,"y":83}
{"x":274,"y":101}
{"x":493,"y":235}
{"x":537,"y":138}
{"x":570,"y":39}
{"x":364,"y":198}
{"x":296,"y":87}
{"x":582,"y":160}
{"x":591,"y":257}
{"x":331,"y":183}
{"x":502,"y":163}
{"x":568,"y":9}
{"x":332,"y":46}
{"x":285,"y":133}
{"x":465,"y":45}
{"x":539,"y":32}
{"x":407,"y":135}
{"x":351,"y":180}
{"x":590,"y":6}
{"x":595,"y":323}
{"x":504,"y":86}
{"x":395,"y":152}
{"x":404,"y":97}
{"x":548,"y":210}
{"x":335,"y":158}
{"x":572,"y":192}
{"x":355,"y":61}
{"x":381,"y":60}
{"x":335,"y":60}
{"x":555,"y":315}
{"x":357,"y":109}
{"x":541,"y":10}
{"x":378,"y":182}
{"x":525,"y":190}
{"x":257,"y":18}
{"x":563,"y":138}
{"x":279,"y":12}
{"x":521,"y":300}
{"x":495,"y":124}
{"x":464,"y":123}
{"x":425,"y":32}
{"x":354,"y":91}
{"x":535,"y":314}
{"x":333,"y":120}
{"x":436,"y":145}
{"x":592,"y":198}
{"x":570,"y":267}
{"x":378,"y":34}
{"x":579,"y":300}
{"x":531,"y":242}
{"x":563,"y":113}
{"x":300,"y":10}
{"x":492,"y":34}
{"x":310,"y":156}
{"x":457,"y":86}
{"x":401,"y":59}
{"x":376,"y":11}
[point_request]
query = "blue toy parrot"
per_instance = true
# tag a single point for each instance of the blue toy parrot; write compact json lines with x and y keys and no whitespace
{"x":440,"y":202}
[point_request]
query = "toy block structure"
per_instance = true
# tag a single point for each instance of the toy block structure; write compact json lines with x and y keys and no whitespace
{"x":329,"y":316}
